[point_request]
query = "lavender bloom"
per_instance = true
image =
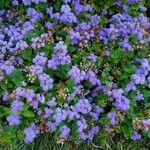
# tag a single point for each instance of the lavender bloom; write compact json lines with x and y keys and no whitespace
{"x":112,"y":116}
{"x":48,"y":112}
{"x":121,"y":102}
{"x":46,"y":82}
{"x":13,"y":120}
{"x":30,"y":133}
{"x":92,"y":78}
{"x":86,"y":28}
{"x":29,"y":95}
{"x":5,"y":96}
{"x":65,"y":131}
{"x":35,"y":16}
{"x":67,"y":16}
{"x":104,"y":12}
{"x":139,"y":96}
{"x":40,"y":59}
{"x":51,"y":126}
{"x":96,"y":113}
{"x":83,"y":106}
{"x":79,"y":8}
{"x":139,"y":77}
{"x":76,"y":75}
{"x":82,"y":125}
{"x":133,"y":1}
{"x":15,"y":2}
{"x":39,"y":42}
{"x":146,"y":123}
{"x":27,"y":27}
{"x":148,"y":79}
{"x":92,"y":132}
{"x":130,"y":87}
{"x":107,"y":53}
{"x":66,"y":1}
{"x":36,"y":69}
{"x":135,"y":136}
{"x":92,"y":57}
{"x":17,"y":105}
{"x":52,"y":102}
{"x":50,"y":25}
{"x":60,"y":56}
{"x":26,"y":2}
{"x":142,"y":8}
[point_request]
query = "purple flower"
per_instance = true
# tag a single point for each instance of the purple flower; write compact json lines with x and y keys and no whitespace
{"x":104,"y":12}
{"x":92,"y":78}
{"x":15,"y":2}
{"x":107,"y":53}
{"x":133,"y":1}
{"x":92,"y":57}
{"x":48,"y":112}
{"x":136,"y":136}
{"x":46,"y":82}
{"x":30,"y":133}
{"x":13,"y":120}
{"x":139,"y":96}
{"x":112,"y":116}
{"x":49,"y":25}
{"x":51,"y":126}
{"x":130,"y":87}
{"x":60,"y":56}
{"x":142,"y":8}
{"x":121,"y":102}
{"x":76,"y":75}
{"x":67,"y":16}
{"x":27,"y":2}
{"x":92,"y":132}
{"x":66,"y":1}
{"x":52,"y":102}
{"x":40,"y":59}
{"x":34,"y":15}
{"x":64,"y":132}
{"x":146,"y":123}
{"x":17,"y":105}
{"x":83,"y":106}
{"x":5,"y":96}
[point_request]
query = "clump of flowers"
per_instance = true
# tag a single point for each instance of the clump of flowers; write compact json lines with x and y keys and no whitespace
{"x":70,"y":71}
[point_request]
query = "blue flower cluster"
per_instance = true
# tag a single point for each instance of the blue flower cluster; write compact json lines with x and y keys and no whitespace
{"x":70,"y":69}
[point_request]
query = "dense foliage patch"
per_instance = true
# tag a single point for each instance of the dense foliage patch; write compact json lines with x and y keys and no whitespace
{"x":74,"y":69}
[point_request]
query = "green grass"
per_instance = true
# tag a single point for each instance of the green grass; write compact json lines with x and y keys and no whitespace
{"x":46,"y":142}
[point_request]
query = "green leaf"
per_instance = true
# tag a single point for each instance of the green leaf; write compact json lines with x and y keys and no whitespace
{"x":67,"y":41}
{"x":5,"y":138}
{"x":116,"y":53}
{"x":35,"y":88}
{"x":27,"y":54}
{"x":69,"y":84}
{"x":104,"y":120}
{"x":147,"y":133}
{"x":4,"y":4}
{"x":5,"y":111}
{"x":26,"y":107}
{"x":3,"y":86}
{"x":48,"y":49}
{"x":17,"y":77}
{"x":28,"y":114}
{"x":127,"y":130}
{"x":20,"y":134}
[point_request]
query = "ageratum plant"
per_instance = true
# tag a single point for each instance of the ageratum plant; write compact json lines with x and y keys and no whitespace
{"x":74,"y":69}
